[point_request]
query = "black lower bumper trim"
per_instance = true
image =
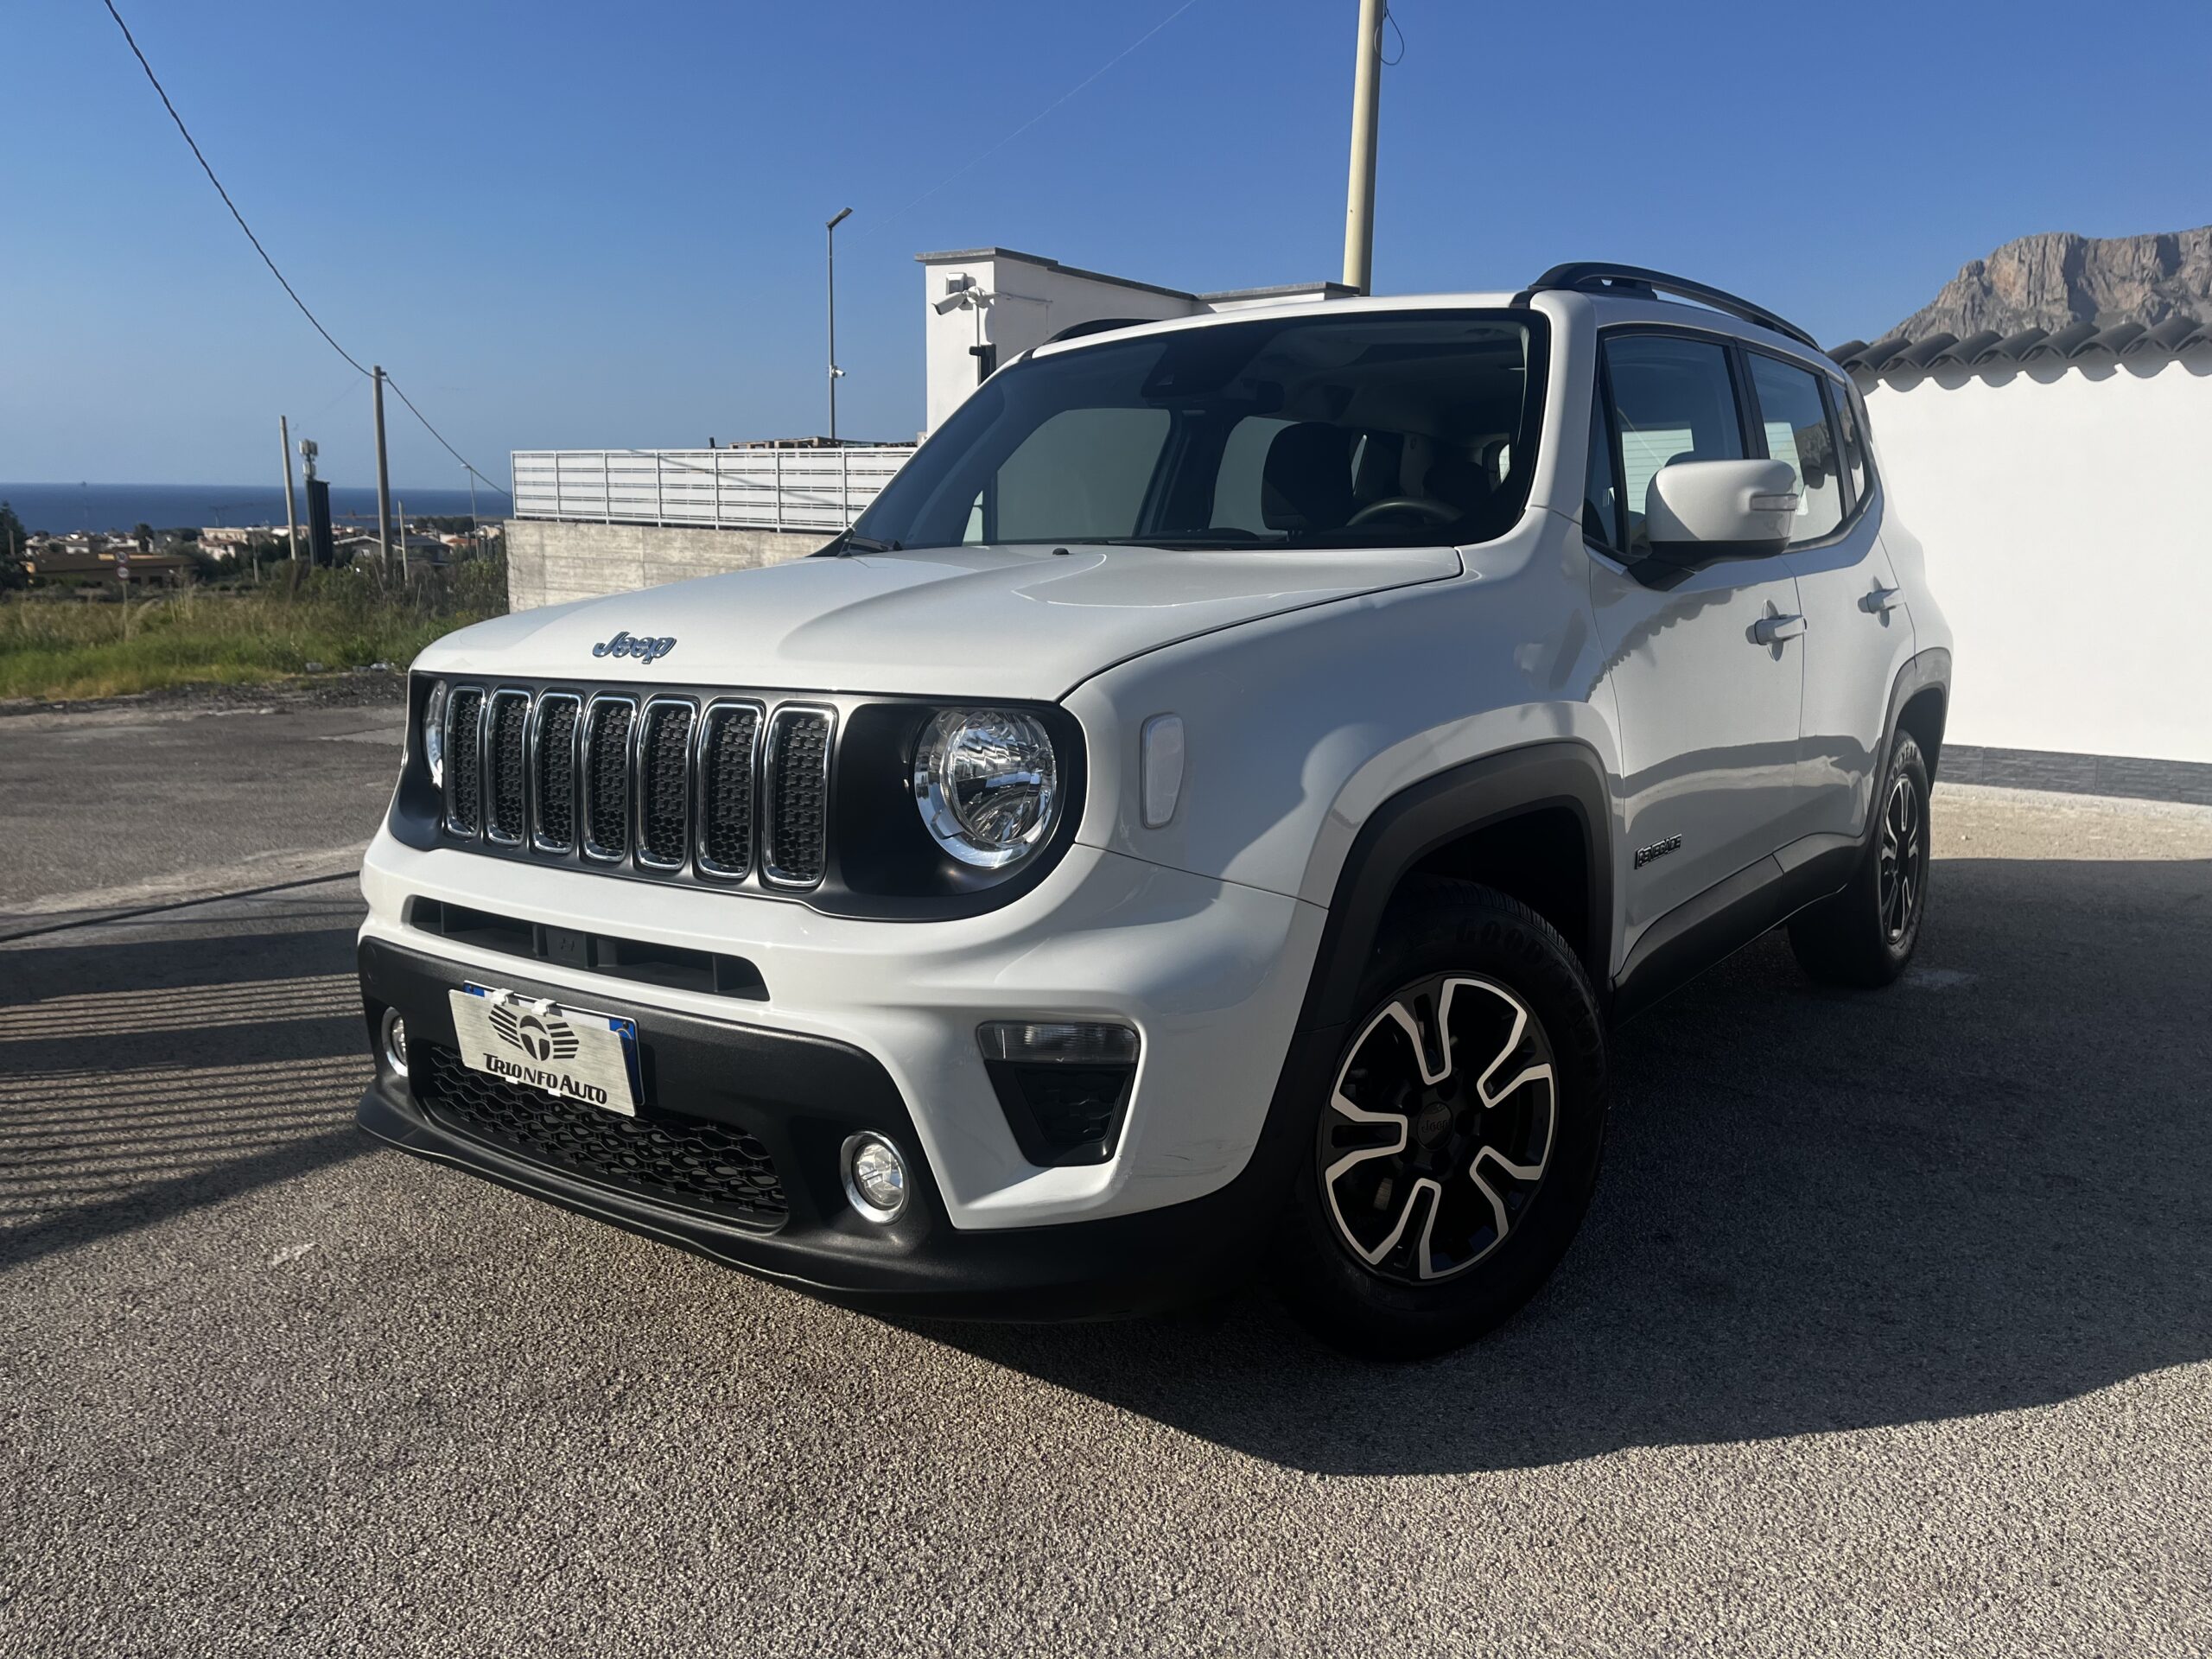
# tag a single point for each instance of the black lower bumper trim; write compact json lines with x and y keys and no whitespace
{"x":801,"y":1096}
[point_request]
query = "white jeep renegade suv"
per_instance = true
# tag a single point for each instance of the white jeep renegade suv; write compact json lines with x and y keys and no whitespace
{"x":1202,"y":818}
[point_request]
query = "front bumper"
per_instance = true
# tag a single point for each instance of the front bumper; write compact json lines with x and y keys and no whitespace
{"x":1211,"y":974}
{"x":800,"y":1097}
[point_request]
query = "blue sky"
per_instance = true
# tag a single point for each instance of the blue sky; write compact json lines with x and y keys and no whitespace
{"x":563,"y":224}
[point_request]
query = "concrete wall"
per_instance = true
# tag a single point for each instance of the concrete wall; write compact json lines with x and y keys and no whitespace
{"x":549,"y":562}
{"x":2067,"y":515}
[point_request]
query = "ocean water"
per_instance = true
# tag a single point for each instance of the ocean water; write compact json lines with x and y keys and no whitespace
{"x":60,"y":508}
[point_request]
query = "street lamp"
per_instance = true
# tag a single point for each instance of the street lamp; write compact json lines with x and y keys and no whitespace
{"x":836,"y":373}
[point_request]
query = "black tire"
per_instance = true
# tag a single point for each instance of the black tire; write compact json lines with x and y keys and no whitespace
{"x":1475,"y":1235}
{"x":1865,"y":935}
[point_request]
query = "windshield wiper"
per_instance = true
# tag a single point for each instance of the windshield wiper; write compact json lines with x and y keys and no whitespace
{"x":850,"y":542}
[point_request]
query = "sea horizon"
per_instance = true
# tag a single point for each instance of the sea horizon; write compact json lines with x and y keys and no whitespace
{"x":61,"y":509}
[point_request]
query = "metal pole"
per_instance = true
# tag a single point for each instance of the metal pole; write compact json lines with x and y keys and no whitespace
{"x":843,"y":214}
{"x":291,"y":516}
{"x":383,"y":482}
{"x":1366,"y":112}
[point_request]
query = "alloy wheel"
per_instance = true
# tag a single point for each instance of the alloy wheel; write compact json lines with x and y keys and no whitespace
{"x":1903,"y":866}
{"x":1436,"y":1136}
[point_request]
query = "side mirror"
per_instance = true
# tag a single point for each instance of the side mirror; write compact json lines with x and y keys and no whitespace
{"x":1697,"y":513}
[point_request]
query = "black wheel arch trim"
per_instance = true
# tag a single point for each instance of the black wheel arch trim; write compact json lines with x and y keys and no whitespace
{"x":1423,"y":817}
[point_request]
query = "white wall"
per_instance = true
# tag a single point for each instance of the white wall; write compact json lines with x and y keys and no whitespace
{"x":1033,"y":298}
{"x":2067,"y":517}
{"x":1031,"y":301}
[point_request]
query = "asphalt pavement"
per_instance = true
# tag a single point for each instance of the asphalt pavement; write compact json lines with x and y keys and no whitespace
{"x":1890,"y":1330}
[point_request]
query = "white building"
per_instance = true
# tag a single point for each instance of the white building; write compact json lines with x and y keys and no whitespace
{"x":986,"y":306}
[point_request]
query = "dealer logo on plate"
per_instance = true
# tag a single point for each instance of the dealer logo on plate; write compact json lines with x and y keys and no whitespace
{"x":542,"y":1037}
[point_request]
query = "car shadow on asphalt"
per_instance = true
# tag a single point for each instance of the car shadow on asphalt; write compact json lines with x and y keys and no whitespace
{"x":144,"y":1077}
{"x":1985,"y":1188}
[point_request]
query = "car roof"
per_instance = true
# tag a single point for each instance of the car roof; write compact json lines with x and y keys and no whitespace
{"x":1610,"y":306}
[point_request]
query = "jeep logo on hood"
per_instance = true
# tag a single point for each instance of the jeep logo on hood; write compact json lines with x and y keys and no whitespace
{"x":645,"y":650}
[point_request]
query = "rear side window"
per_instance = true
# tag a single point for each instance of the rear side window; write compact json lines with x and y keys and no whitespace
{"x":1855,"y":441}
{"x":1796,"y":417}
{"x":1673,"y":400}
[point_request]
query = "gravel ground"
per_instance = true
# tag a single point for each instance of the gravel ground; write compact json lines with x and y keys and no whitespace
{"x":1890,"y":1332}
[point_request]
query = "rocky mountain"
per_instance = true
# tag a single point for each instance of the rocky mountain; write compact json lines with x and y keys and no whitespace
{"x":2058,"y":278}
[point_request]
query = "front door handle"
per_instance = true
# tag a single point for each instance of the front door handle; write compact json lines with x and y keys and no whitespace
{"x":1881,"y":601}
{"x":1773,"y":630}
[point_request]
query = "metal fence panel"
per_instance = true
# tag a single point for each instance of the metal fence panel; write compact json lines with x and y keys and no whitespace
{"x":727,"y":489}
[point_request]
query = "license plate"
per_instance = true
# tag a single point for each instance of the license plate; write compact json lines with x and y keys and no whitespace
{"x":568,"y":1052}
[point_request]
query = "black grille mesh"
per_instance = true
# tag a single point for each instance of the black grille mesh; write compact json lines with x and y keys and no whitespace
{"x":464,"y":759}
{"x":556,"y":771}
{"x":664,"y":783}
{"x":726,"y":830}
{"x":796,"y":850}
{"x":508,"y":810}
{"x":704,"y":1165}
{"x":607,"y":761}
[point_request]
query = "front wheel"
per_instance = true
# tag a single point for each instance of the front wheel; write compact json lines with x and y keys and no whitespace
{"x":1865,"y":935}
{"x":1457,"y":1139}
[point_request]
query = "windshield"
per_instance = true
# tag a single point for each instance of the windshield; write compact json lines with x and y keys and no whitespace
{"x":1382,"y":428}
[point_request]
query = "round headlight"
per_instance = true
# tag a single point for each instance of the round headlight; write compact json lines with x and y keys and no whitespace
{"x":988,"y":783}
{"x":433,"y":732}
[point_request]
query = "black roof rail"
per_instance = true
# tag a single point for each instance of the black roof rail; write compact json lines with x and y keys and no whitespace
{"x":1597,"y":277}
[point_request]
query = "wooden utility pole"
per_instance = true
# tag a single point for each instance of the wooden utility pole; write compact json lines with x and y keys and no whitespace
{"x":291,"y":519}
{"x":1366,"y":113}
{"x":384,"y":483}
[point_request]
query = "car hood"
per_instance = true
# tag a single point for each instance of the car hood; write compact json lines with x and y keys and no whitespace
{"x":966,"y":621}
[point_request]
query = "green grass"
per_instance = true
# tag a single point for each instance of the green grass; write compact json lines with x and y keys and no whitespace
{"x":59,"y":645}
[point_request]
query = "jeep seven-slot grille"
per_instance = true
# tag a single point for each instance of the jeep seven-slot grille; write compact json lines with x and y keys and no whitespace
{"x":722,"y":789}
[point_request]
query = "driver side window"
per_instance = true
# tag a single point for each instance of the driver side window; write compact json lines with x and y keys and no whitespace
{"x":1674,"y":399}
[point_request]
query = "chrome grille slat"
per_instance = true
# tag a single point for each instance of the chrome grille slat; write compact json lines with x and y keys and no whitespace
{"x":664,"y":783}
{"x":794,"y":849}
{"x":606,"y":776}
{"x":464,"y":760}
{"x":553,"y":770}
{"x":729,"y":755}
{"x":506,"y":805}
{"x":681,"y":786}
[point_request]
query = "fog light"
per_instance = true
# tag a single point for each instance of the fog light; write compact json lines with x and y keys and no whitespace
{"x":875,"y":1177}
{"x":395,"y":1041}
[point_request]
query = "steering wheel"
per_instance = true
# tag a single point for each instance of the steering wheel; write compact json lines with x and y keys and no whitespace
{"x":1437,"y":512}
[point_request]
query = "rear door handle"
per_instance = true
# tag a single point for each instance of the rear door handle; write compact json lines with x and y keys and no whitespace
{"x":1773,"y":630}
{"x":1881,"y":601}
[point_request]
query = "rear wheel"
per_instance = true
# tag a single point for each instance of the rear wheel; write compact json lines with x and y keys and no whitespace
{"x":1865,"y":935}
{"x":1457,"y":1139}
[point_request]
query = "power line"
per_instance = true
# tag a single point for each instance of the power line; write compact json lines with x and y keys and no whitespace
{"x":290,"y":291}
{"x":438,"y":436}
{"x":219,"y":191}
{"x":990,"y":149}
